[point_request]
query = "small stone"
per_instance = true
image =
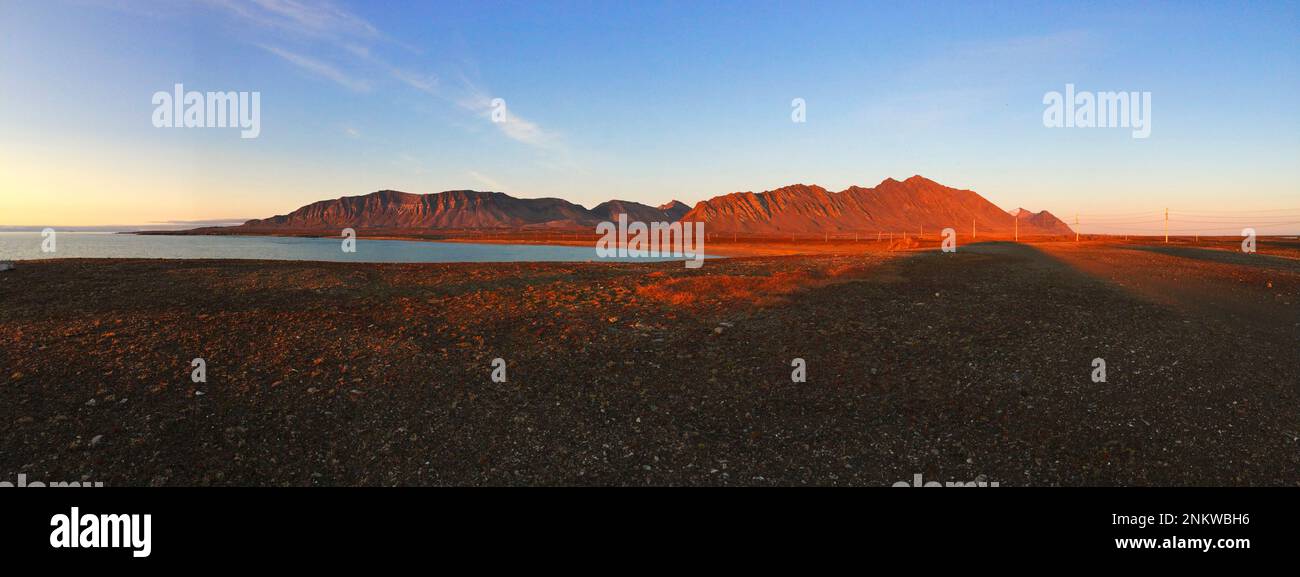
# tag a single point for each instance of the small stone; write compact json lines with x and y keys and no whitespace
{"x":96,"y":440}
{"x":90,"y":403}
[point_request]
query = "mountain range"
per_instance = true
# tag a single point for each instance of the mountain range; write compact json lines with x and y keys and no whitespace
{"x":891,"y":206}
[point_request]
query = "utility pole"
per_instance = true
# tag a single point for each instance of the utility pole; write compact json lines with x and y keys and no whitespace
{"x":972,"y":229}
{"x":1166,"y":226}
{"x":1076,"y":227}
{"x":922,"y":232}
{"x":1017,"y":228}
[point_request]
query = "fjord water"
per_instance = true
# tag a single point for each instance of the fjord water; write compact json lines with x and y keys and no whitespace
{"x":27,"y":246}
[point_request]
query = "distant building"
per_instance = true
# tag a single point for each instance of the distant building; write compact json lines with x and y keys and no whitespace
{"x":6,"y":265}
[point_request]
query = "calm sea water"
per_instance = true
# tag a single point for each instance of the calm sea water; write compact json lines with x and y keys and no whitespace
{"x":27,"y":245}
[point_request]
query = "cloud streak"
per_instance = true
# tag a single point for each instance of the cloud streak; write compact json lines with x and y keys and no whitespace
{"x":320,"y":21}
{"x":426,"y":83}
{"x":486,"y":181}
{"x":513,"y":126}
{"x":320,"y":69}
{"x":318,"y":18}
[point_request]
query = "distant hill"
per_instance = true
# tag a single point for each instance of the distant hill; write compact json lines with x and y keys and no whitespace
{"x":1042,"y":220}
{"x":452,"y":209}
{"x":675,"y":209}
{"x":635,"y":211}
{"x":891,"y":206}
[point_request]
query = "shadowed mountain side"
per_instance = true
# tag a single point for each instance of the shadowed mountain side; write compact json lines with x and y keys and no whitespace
{"x":635,"y":211}
{"x":675,"y":209}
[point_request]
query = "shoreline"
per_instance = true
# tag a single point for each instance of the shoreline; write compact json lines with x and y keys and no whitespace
{"x":1280,"y":246}
{"x":1283,"y":248}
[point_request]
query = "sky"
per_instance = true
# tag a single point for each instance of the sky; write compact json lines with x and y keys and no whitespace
{"x":648,"y":101}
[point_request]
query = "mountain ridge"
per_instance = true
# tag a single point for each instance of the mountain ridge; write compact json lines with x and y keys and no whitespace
{"x":910,"y":205}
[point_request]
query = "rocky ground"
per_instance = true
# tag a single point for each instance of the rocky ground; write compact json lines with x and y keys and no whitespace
{"x":974,"y":365}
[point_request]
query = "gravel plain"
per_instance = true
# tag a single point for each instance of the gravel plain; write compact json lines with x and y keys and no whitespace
{"x":958,"y":367}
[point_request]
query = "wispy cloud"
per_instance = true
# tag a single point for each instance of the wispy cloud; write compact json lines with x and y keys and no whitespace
{"x":318,"y":22}
{"x":319,"y":68}
{"x":478,"y":102}
{"x":314,"y":18}
{"x":961,"y":81}
{"x":486,"y":181}
{"x":426,"y":83}
{"x":995,"y":62}
{"x":325,"y":22}
{"x":410,"y":164}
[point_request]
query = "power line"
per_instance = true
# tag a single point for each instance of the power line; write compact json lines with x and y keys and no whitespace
{"x":1125,"y":221}
{"x":1153,"y":230}
{"x":1250,"y":210}
{"x":1244,"y":222}
{"x":1232,"y":220}
{"x":1122,"y":214}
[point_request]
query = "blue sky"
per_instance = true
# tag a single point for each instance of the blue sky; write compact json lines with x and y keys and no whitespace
{"x":644,"y":101}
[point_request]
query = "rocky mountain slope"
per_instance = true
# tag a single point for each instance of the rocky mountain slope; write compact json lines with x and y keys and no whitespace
{"x":913,"y":205}
{"x":891,"y":206}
